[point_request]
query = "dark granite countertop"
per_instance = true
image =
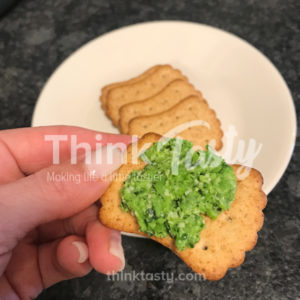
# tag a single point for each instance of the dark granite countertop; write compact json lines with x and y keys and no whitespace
{"x":36,"y":36}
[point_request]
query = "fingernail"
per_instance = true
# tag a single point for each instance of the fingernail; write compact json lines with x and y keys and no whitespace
{"x":82,"y":250}
{"x":105,"y":161}
{"x":134,"y":138}
{"x":116,"y":248}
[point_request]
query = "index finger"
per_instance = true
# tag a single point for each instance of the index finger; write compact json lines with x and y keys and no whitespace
{"x":31,"y":152}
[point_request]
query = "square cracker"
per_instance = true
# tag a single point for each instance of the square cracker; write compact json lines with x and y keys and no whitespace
{"x":107,"y":88}
{"x":192,"y":109}
{"x":223,"y":242}
{"x":172,"y":94}
{"x":139,"y":90}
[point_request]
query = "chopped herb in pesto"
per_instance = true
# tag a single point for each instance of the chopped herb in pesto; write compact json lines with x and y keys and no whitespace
{"x":176,"y":188}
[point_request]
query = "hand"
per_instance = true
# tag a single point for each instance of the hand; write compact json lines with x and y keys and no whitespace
{"x":49,"y":230}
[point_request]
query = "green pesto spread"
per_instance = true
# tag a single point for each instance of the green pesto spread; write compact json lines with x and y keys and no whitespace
{"x":176,"y":188}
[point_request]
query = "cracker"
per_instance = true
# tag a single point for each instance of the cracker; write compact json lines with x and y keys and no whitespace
{"x":168,"y":97}
{"x":107,"y":88}
{"x":223,"y":242}
{"x":139,"y":90}
{"x":190,"y":109}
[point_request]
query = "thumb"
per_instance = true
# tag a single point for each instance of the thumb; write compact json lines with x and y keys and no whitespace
{"x":55,"y":192}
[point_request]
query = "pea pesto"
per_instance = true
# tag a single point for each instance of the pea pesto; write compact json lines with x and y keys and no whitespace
{"x":176,"y":188}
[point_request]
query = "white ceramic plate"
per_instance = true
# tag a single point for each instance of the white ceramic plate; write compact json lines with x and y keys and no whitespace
{"x":239,"y":82}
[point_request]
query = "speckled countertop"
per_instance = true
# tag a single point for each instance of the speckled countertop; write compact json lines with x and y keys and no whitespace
{"x":36,"y":36}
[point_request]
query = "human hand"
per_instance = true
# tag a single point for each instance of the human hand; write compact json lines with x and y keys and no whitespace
{"x":49,"y":230}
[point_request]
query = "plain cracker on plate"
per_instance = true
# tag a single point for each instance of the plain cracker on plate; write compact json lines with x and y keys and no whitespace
{"x":139,"y":90}
{"x":223,"y":242}
{"x":168,"y":97}
{"x":192,"y":110}
{"x":105,"y":89}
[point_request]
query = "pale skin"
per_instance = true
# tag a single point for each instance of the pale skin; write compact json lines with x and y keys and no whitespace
{"x":40,"y":221}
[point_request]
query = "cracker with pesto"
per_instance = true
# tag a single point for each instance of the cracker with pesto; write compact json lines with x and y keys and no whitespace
{"x":227,"y":227}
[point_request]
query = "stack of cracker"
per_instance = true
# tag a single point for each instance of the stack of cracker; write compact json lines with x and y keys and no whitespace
{"x":162,"y":101}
